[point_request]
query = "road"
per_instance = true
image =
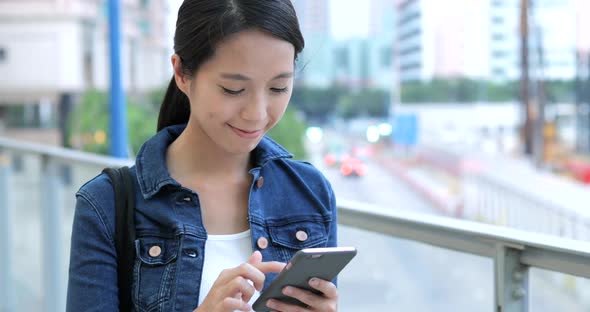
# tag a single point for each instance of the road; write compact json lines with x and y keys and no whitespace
{"x":391,"y":274}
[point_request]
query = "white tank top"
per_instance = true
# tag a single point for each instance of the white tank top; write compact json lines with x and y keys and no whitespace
{"x":224,"y":252}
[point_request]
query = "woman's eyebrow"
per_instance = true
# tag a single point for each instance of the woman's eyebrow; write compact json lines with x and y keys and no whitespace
{"x":283,"y":75}
{"x":233,"y":76}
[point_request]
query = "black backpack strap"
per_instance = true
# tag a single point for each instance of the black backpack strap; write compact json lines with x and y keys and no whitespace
{"x":124,"y":232}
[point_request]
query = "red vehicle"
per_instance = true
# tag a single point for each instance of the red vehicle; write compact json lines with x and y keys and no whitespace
{"x":580,"y":169}
{"x":353,"y":167}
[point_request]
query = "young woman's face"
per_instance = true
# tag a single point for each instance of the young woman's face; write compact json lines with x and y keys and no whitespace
{"x":243,"y":90}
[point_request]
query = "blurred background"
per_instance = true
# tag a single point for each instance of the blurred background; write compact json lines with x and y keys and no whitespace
{"x":468,"y":109}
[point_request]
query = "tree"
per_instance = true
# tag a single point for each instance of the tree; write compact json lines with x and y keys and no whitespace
{"x":371,"y":103}
{"x":88,"y":126}
{"x":468,"y":91}
{"x":316,"y":103}
{"x":290,"y":132}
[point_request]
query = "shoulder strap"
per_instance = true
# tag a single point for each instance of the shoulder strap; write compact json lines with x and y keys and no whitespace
{"x":124,"y":232}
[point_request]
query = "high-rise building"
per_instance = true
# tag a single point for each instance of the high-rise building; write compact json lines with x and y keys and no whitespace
{"x":381,"y":67}
{"x":582,"y":111}
{"x":381,"y":17}
{"x":352,"y":62}
{"x":368,"y":62}
{"x":53,"y":50}
{"x":479,"y":39}
{"x":552,"y":39}
{"x":315,"y":66}
{"x":51,"y":47}
{"x":441,"y":39}
{"x":314,"y":16}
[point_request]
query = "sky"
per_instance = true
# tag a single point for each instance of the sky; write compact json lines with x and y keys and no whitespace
{"x":349,"y":18}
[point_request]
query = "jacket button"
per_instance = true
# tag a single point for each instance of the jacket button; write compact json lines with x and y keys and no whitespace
{"x":262,"y":243}
{"x":155,"y":251}
{"x":301,"y":236}
{"x":260,"y":182}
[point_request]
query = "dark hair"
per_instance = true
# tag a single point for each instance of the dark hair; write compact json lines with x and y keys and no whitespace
{"x":202,"y":24}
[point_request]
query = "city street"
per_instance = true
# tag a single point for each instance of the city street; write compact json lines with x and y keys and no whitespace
{"x":391,"y":274}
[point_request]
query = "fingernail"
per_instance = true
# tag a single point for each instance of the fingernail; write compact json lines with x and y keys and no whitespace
{"x":314,"y":282}
{"x":287,"y":290}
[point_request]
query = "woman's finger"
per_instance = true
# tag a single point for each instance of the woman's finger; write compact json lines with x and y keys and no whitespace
{"x":241,"y":286}
{"x":327,"y":288}
{"x":232,"y":304}
{"x":305,"y":296}
{"x":277,"y":305}
{"x":270,"y":266}
{"x":249,"y":272}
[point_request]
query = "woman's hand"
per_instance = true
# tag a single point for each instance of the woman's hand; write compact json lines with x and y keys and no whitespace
{"x":232,"y":289}
{"x":321,"y":303}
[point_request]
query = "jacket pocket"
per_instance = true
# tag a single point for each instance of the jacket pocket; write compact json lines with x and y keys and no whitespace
{"x":288,"y":238}
{"x":154,"y":272}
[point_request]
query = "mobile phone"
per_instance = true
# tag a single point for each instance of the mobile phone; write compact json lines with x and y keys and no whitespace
{"x":323,"y":263}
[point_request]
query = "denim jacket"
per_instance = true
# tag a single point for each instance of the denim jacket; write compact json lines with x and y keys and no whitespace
{"x":286,"y":197}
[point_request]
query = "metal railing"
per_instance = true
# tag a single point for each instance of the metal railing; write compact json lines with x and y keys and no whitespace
{"x":52,"y":159}
{"x":513,"y":251}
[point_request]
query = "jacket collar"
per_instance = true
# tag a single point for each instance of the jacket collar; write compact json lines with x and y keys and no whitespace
{"x":153,"y":174}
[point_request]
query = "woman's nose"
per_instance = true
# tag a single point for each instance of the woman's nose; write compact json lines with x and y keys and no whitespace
{"x":255,"y":110}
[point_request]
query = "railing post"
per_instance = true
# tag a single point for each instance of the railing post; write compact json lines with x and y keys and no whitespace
{"x":6,"y":221}
{"x":51,"y":214}
{"x":511,"y":280}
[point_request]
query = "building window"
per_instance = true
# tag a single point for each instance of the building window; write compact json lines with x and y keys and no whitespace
{"x":144,"y":25}
{"x":498,"y":37}
{"x":499,"y":72}
{"x":2,"y":54}
{"x":498,"y":54}
{"x":498,"y":20}
{"x":386,"y":55}
{"x":342,"y":58}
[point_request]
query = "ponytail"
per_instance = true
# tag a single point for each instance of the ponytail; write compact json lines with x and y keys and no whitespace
{"x":175,"y":108}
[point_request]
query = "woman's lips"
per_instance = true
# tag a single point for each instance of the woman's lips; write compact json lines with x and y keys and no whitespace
{"x":245,"y":133}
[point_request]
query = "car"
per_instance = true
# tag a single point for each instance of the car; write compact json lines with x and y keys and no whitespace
{"x":334,"y":155}
{"x":353,"y":167}
{"x":334,"y":159}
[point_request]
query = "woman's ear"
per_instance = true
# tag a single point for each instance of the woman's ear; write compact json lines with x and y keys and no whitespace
{"x":181,"y":79}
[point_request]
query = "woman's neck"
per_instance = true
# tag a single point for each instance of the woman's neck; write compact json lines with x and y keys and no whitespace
{"x":194,"y":156}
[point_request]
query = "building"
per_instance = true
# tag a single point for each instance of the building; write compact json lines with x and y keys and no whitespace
{"x":381,"y":17}
{"x":552,"y":39}
{"x":315,"y":66}
{"x":441,"y":39}
{"x":479,"y":39}
{"x":382,"y":30}
{"x":53,"y":50}
{"x":353,"y":62}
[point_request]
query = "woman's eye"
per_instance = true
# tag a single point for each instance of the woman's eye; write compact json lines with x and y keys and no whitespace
{"x":279,"y":90}
{"x":232,"y":92}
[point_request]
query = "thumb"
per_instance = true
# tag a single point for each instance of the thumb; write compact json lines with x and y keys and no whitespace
{"x":255,"y":258}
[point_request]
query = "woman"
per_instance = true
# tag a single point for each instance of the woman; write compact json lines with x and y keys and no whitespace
{"x":219,"y":207}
